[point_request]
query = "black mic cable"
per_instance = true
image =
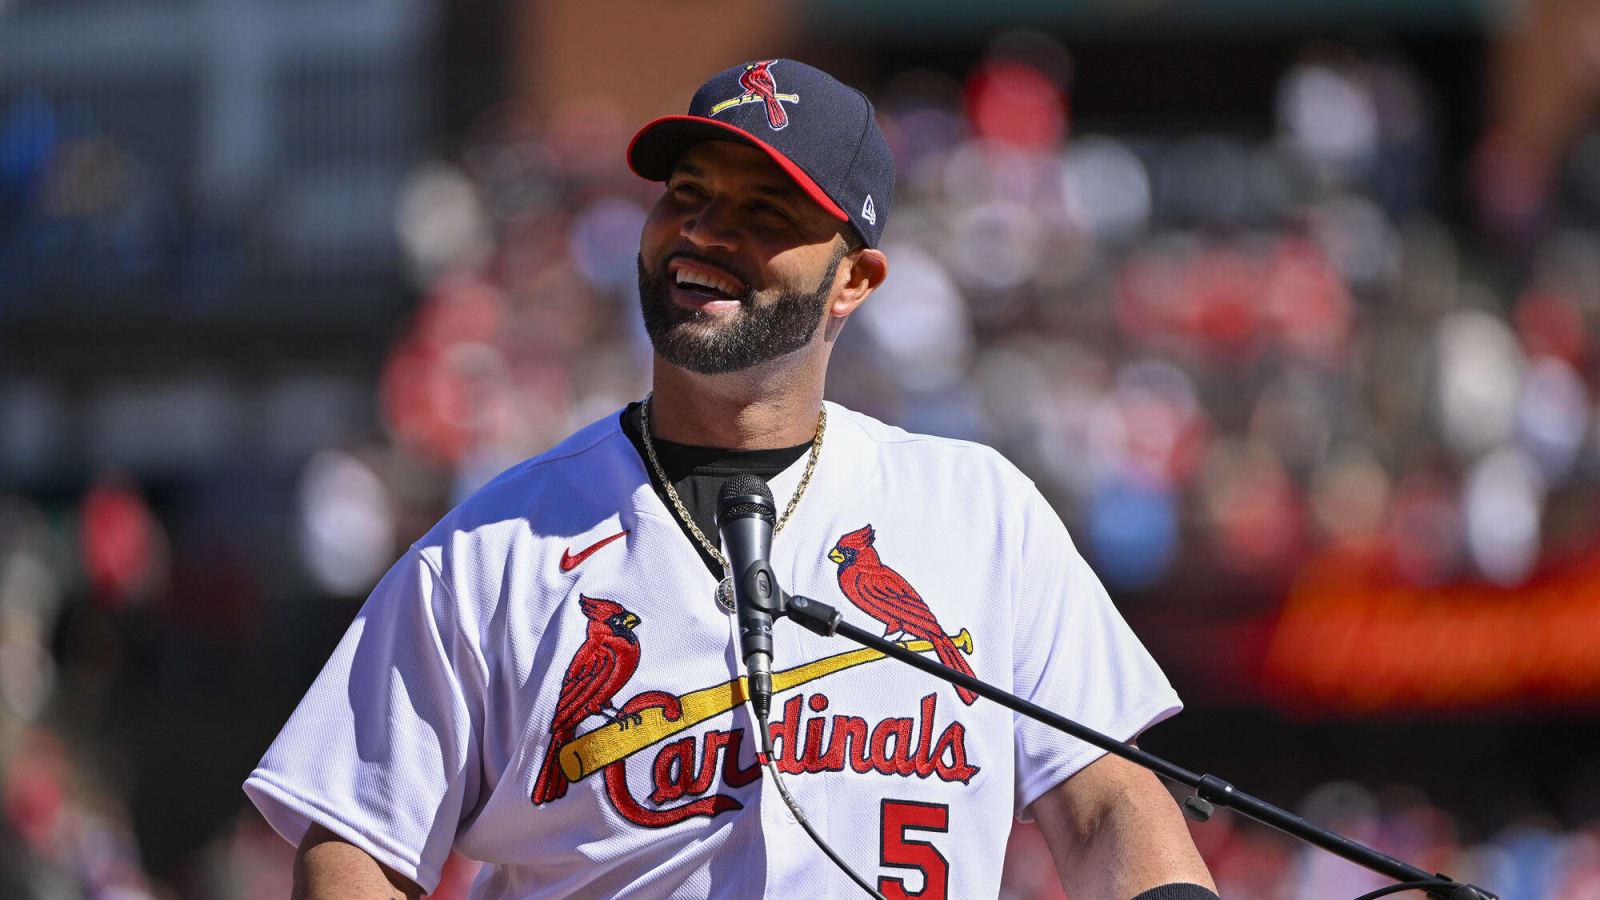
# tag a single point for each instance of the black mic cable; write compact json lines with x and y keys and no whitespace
{"x":745,"y":513}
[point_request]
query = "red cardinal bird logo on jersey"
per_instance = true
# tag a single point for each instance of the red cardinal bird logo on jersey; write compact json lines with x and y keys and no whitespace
{"x":881,"y":593}
{"x":599,"y":669}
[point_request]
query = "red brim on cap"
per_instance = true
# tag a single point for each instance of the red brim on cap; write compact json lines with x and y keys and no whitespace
{"x":658,"y":145}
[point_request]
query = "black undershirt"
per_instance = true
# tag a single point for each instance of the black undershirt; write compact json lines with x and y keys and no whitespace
{"x":698,"y":473}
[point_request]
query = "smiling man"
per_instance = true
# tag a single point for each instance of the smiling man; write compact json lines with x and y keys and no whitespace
{"x":713,"y":306}
{"x":549,"y":680}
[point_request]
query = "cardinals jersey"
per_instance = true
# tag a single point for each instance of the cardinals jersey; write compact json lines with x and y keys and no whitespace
{"x":545,"y":682}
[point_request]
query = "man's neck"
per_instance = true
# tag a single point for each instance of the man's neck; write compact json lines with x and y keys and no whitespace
{"x":735,"y":411}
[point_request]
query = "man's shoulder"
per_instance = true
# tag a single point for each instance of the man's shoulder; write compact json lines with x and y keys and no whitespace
{"x":590,"y":472}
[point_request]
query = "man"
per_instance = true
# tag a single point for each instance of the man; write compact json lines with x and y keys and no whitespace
{"x":547,"y":680}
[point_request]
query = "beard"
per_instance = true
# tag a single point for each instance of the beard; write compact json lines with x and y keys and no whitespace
{"x":691,"y":339}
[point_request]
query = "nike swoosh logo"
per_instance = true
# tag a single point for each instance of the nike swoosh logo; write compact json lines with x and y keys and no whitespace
{"x":570,"y":560}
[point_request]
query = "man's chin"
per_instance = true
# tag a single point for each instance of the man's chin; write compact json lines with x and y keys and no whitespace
{"x":700,"y":332}
{"x":712,"y":342}
{"x":694,"y":347}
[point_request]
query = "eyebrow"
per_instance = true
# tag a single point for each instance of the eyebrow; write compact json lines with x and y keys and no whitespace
{"x":688,"y":168}
{"x":785,"y":192}
{"x":782,"y":193}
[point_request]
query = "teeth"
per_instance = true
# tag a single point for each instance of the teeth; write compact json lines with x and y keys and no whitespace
{"x":720,"y":285}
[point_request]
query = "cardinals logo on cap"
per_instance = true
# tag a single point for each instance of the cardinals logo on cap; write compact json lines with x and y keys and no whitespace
{"x":759,"y":87}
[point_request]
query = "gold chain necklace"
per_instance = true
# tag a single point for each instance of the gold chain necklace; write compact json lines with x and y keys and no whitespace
{"x":725,"y":588}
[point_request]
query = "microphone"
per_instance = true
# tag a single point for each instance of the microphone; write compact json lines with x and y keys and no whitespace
{"x":745,"y":513}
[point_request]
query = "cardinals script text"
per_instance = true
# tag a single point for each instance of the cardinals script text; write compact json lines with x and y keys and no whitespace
{"x":688,"y":767}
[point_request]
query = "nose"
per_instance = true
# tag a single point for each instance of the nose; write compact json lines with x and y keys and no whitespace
{"x":712,"y":225}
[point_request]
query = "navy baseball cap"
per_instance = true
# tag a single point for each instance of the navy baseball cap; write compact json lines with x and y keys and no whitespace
{"x":823,"y":133}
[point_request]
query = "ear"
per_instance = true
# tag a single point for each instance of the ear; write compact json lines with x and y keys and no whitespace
{"x":862,"y":270}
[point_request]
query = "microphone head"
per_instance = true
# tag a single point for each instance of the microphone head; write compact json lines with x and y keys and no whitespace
{"x":745,"y":495}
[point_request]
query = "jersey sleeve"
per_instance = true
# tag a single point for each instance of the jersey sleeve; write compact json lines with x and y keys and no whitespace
{"x":1075,"y":655}
{"x":383,"y":749}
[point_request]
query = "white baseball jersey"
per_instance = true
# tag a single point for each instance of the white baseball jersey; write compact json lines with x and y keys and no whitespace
{"x":562,"y":614}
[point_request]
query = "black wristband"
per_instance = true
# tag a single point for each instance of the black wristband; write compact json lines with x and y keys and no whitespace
{"x":1185,"y":891}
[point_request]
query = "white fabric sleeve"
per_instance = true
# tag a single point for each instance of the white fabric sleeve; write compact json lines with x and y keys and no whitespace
{"x":383,"y":749}
{"x":1073,"y":655}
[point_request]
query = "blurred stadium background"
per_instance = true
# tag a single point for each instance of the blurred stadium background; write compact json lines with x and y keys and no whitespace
{"x":1290,"y":309}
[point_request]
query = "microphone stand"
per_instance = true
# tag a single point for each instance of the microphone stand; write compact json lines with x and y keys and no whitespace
{"x":1210,"y":791}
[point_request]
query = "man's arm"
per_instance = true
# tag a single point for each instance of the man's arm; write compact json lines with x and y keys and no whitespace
{"x":1115,"y":832}
{"x":326,"y":867}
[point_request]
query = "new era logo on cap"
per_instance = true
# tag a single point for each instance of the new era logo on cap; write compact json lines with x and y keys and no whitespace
{"x":823,"y":133}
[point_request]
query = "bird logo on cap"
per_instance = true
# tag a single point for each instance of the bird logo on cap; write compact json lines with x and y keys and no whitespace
{"x":759,"y":87}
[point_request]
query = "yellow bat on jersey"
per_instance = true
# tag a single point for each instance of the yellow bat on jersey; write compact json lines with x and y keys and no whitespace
{"x":603,"y":746}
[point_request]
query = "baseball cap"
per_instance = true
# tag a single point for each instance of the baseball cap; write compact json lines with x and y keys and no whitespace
{"x":823,"y":133}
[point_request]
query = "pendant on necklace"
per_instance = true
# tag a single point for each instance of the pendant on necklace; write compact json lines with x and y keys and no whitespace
{"x":725,"y":593}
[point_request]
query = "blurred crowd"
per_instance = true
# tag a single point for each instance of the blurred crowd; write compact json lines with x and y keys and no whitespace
{"x":1218,"y":354}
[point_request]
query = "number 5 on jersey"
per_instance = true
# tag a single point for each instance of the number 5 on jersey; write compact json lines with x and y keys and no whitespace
{"x":895,"y":850}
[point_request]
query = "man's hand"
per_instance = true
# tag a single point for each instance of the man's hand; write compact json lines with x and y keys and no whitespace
{"x":1115,"y":832}
{"x":326,"y":867}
